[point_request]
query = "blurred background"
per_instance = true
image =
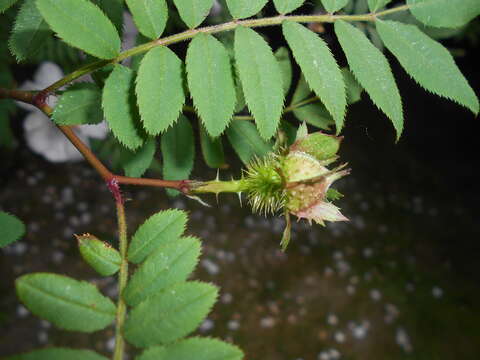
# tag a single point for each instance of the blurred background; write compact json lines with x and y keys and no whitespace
{"x":399,"y":281}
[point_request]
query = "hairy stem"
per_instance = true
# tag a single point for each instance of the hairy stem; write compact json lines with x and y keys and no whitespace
{"x":189,"y":34}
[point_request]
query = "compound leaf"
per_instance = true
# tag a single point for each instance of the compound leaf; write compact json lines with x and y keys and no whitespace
{"x":286,"y":6}
{"x":245,"y":8}
{"x":159,"y":88}
{"x":212,"y":149}
{"x":444,"y":13}
{"x":82,"y":24}
{"x":159,"y":229}
{"x":428,"y":62}
{"x":320,"y":68}
{"x":99,"y":255}
{"x":372,"y":70}
{"x":68,"y":303}
{"x":203,"y":348}
{"x":193,"y":12}
{"x":150,"y":16}
{"x":334,"y":5}
{"x":375,"y":5}
{"x":135,"y":163}
{"x":58,"y":354}
{"x":246,"y":141}
{"x":210,"y":81}
{"x":12,"y":229}
{"x":169,"y":264}
{"x":261,"y":79}
{"x":178,"y":311}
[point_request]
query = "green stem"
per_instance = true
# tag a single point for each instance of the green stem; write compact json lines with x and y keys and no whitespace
{"x":122,"y":282}
{"x":189,"y":34}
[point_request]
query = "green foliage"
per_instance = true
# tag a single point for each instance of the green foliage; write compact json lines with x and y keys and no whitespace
{"x":320,"y":68}
{"x":444,"y":13}
{"x":212,"y":149}
{"x":261,"y":80}
{"x":178,"y":311}
{"x":245,"y":8}
{"x":29,"y":32}
{"x":119,"y":107}
{"x":169,"y":264}
{"x":203,"y":348}
{"x":114,"y":10}
{"x":283,"y":58}
{"x":286,"y":6}
{"x":375,"y":5}
{"x":99,"y":255}
{"x":354,"y":90}
{"x":178,"y":150}
{"x":5,"y":4}
{"x":372,"y":71}
{"x":80,"y":104}
{"x":67,"y":303}
{"x":193,"y":12}
{"x":246,"y":141}
{"x":91,"y":32}
{"x":210,"y":81}
{"x":149,"y":16}
{"x":58,"y":354}
{"x":334,"y":5}
{"x":12,"y":229}
{"x":135,"y":163}
{"x":159,"y":88}
{"x":158,"y":230}
{"x":428,"y":62}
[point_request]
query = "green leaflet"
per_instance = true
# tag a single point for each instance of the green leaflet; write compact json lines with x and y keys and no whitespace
{"x":286,"y":6}
{"x":135,"y":163}
{"x":203,"y":348}
{"x":99,"y":255}
{"x":354,"y":90}
{"x":193,"y":12}
{"x":375,"y":5}
{"x":246,"y":141}
{"x":149,"y":16}
{"x":114,"y":11}
{"x":334,"y":5}
{"x":119,"y":107}
{"x":159,"y":229}
{"x":444,"y":13}
{"x":58,"y":354}
{"x":91,"y":32}
{"x":160,"y":93}
{"x":68,"y":303}
{"x":428,"y":62}
{"x":29,"y":32}
{"x":245,"y":8}
{"x":169,"y":264}
{"x":320,"y":68}
{"x":178,"y":152}
{"x":373,"y":72}
{"x":285,"y":64}
{"x":212,"y":149}
{"x":5,"y":4}
{"x":210,"y":81}
{"x":12,"y":229}
{"x":261,"y":79}
{"x":80,"y":104}
{"x":178,"y":311}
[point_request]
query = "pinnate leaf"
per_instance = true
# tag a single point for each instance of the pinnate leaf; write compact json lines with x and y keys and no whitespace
{"x":245,"y":8}
{"x":159,"y":89}
{"x":246,"y":141}
{"x":374,"y":5}
{"x":178,"y":311}
{"x":99,"y":255}
{"x":334,"y":5}
{"x":150,"y":16}
{"x":286,"y":6}
{"x":193,"y":12}
{"x":82,"y":24}
{"x":29,"y":32}
{"x":119,"y":107}
{"x":169,"y":264}
{"x":203,"y":348}
{"x":135,"y":163}
{"x":68,"y":303}
{"x":159,"y":229}
{"x":178,"y":151}
{"x":320,"y":68}
{"x":444,"y":13}
{"x":58,"y":354}
{"x":261,"y":79}
{"x":12,"y":229}
{"x":210,"y":81}
{"x":372,"y":71}
{"x":212,"y":149}
{"x":428,"y":62}
{"x":80,"y":104}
